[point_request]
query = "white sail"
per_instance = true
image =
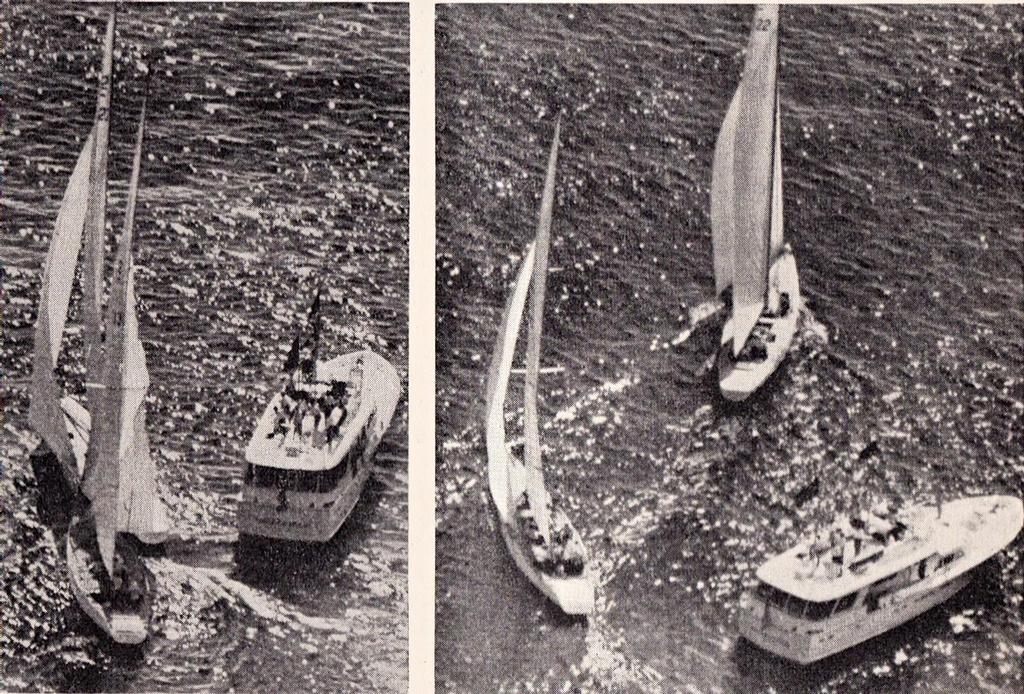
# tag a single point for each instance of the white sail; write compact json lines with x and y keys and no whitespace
{"x":499,"y":477}
{"x":55,"y":294}
{"x":535,"y":489}
{"x":776,"y":241}
{"x":723,"y":222}
{"x":753,"y":168}
{"x":101,"y":482}
{"x":95,"y":223}
{"x":141,"y":512}
{"x":776,"y":233}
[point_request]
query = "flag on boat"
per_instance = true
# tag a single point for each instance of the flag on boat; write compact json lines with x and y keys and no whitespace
{"x":307,"y":338}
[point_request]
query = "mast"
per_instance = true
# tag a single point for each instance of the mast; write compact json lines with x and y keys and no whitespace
{"x":534,"y":475}
{"x":95,"y":222}
{"x":101,"y":481}
{"x":753,"y":168}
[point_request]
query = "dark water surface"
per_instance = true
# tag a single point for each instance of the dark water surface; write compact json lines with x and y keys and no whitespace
{"x":276,"y":150}
{"x":904,"y":202}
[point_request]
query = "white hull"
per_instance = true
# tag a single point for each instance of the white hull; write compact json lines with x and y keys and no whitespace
{"x":806,"y":646}
{"x":127,"y":628}
{"x":972,"y":530}
{"x":315,"y":516}
{"x":738,"y":380}
{"x":309,"y":516}
{"x":573,"y":594}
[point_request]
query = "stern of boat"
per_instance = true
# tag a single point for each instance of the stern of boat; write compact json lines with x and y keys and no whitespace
{"x":574,"y":595}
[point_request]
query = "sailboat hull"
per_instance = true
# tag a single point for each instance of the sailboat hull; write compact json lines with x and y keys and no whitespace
{"x":127,"y":627}
{"x":295,"y":490}
{"x":738,"y":379}
{"x":573,"y":594}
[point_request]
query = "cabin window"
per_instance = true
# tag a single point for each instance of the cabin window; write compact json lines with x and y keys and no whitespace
{"x":330,"y":478}
{"x":771,"y":595}
{"x":796,"y":606}
{"x":819,"y":610}
{"x":946,"y":560}
{"x":291,"y":480}
{"x":844,"y":603}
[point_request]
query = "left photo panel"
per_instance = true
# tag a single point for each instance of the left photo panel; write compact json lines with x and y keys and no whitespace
{"x":203,"y":455}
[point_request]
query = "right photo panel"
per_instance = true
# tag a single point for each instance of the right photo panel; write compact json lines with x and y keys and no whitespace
{"x":729,"y":327}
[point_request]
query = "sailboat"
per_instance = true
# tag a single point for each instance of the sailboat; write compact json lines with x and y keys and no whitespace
{"x":312,"y":451}
{"x":540,"y":537}
{"x":109,"y":462}
{"x":755,"y":269}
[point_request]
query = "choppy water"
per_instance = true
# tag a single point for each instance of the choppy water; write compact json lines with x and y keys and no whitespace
{"x":903,"y":194}
{"x":277,"y":146}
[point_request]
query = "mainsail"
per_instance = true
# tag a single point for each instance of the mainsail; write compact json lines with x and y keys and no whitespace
{"x":498,"y":471}
{"x":45,"y":413}
{"x":723,"y":222}
{"x":753,"y":168}
{"x":119,"y":477}
{"x":536,"y":492}
{"x":95,"y":224}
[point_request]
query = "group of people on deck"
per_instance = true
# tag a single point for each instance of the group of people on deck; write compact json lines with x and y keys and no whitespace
{"x":756,"y":347}
{"x":308,"y":413}
{"x":880,"y":526}
{"x":561,"y":555}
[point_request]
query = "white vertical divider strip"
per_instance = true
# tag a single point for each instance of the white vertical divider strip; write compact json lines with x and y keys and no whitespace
{"x":421,"y":347}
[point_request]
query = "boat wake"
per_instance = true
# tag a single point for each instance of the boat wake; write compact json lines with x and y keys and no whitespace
{"x":181,"y":586}
{"x":698,"y":314}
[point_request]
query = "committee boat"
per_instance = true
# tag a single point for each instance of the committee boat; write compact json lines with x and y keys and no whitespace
{"x":312,"y":451}
{"x":103,"y":451}
{"x":755,"y":269}
{"x":540,"y":537}
{"x":867,"y":575}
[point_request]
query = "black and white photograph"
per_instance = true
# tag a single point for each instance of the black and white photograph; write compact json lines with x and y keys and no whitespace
{"x":205,"y":217}
{"x":728,"y":348}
